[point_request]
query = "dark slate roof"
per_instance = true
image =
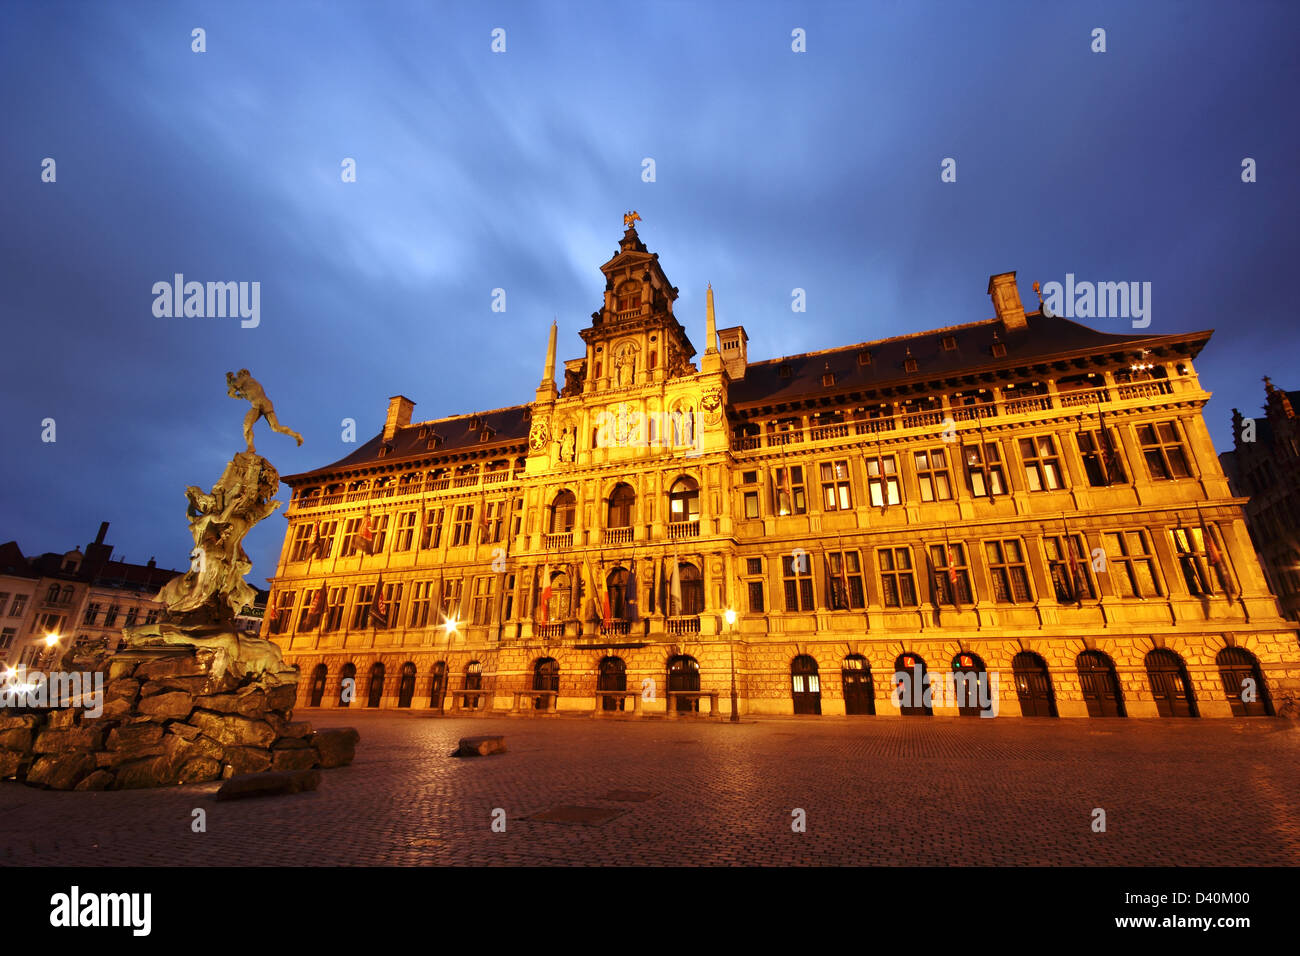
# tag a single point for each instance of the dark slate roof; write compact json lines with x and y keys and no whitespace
{"x":12,"y":561}
{"x":1043,"y":337}
{"x":508,"y":425}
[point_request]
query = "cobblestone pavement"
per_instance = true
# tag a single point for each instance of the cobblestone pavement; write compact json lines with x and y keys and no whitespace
{"x":876,"y":791}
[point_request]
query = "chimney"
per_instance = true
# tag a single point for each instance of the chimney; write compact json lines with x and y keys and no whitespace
{"x":1006,"y":301}
{"x":152,"y":563}
{"x":735,"y":359}
{"x":399,"y":415}
{"x":103,"y":530}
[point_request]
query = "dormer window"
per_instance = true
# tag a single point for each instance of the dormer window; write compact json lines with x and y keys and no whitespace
{"x":423,"y":433}
{"x":909,"y":365}
{"x":999,"y":350}
{"x":784,"y":370}
{"x":487,"y":434}
{"x":828,"y":379}
{"x":435,"y":441}
{"x":950,"y":343}
{"x":864,"y":357}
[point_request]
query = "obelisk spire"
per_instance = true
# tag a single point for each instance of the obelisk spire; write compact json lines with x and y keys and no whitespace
{"x":711,"y":323}
{"x":547,"y":391}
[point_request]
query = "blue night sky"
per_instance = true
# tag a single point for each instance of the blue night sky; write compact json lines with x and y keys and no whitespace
{"x":478,"y":170}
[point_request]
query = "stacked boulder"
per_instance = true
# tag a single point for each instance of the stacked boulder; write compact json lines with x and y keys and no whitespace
{"x":167,"y":720}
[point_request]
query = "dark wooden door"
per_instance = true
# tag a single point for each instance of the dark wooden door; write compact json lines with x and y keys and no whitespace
{"x":406,"y":690}
{"x":1033,"y":685}
{"x":438,"y":685}
{"x":858,"y":696}
{"x":1100,"y":685}
{"x":473,"y":681}
{"x":376,"y":686}
{"x":913,"y":700}
{"x":805,"y":685}
{"x":968,"y":675}
{"x":347,"y":685}
{"x":1243,"y":683}
{"x":318,"y":684}
{"x":613,"y":676}
{"x":546,"y":676}
{"x":684,"y":674}
{"x":1169,"y":685}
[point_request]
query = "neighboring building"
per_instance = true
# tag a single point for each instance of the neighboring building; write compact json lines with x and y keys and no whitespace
{"x":1264,"y":465}
{"x":250,"y":618}
{"x":86,"y":598}
{"x":898,"y":505}
{"x":18,"y":586}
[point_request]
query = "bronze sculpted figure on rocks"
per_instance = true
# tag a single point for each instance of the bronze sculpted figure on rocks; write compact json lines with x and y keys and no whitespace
{"x":199,"y":607}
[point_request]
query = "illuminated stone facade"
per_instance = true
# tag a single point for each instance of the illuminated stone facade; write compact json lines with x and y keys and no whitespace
{"x":837,"y":501}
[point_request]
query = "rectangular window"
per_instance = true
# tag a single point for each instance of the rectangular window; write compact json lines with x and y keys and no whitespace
{"x":984,"y":475}
{"x":1042,"y":464}
{"x":1071,"y":582}
{"x":7,"y":638}
{"x":431,"y":533}
{"x":301,"y":541}
{"x":481,"y":603}
{"x":110,"y":617}
{"x":749,"y":478}
{"x":846,"y":589}
{"x":835,"y":486}
{"x":393,"y":595}
{"x":462,"y":525}
{"x":1006,"y":561}
{"x":1130,"y":564}
{"x":1164,"y":452}
{"x":379,"y":525}
{"x":790,"y":496}
{"x":882,"y":481}
{"x":754,"y":565}
{"x":494,"y":513}
{"x":897,"y":579}
{"x":92,"y":612}
{"x":282,"y":616}
{"x":449,"y":604}
{"x":405,"y":539}
{"x":151,"y":617}
{"x":328,"y":529}
{"x":421,"y":602}
{"x":951,"y":573}
{"x":131,"y":612}
{"x":798,"y":583}
{"x":4,"y":599}
{"x":1194,"y":561}
{"x":361,"y":610}
{"x":932,"y":474}
{"x":338,"y":599}
{"x":20,"y":604}
{"x":755,"y":589}
{"x":1101,"y":461}
{"x":351,"y":527}
{"x":751,"y":504}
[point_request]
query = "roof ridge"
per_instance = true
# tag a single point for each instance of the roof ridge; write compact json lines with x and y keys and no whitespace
{"x":892,"y":338}
{"x":452,"y":418}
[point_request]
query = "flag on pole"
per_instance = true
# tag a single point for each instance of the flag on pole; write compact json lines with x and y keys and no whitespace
{"x":631,"y":611}
{"x":675,"y":588}
{"x":319,"y":544}
{"x":954,"y":579}
{"x":784,"y":496}
{"x":379,"y":606}
{"x":366,"y":536}
{"x":936,"y":585}
{"x":317,"y":613}
{"x":546,"y":591}
{"x":1216,"y":560}
{"x":1109,"y":460}
{"x":835,"y":599}
{"x":1076,"y":570}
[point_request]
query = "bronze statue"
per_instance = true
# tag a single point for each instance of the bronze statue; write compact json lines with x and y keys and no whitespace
{"x":246,"y":387}
{"x":631,"y":219}
{"x":199,"y":607}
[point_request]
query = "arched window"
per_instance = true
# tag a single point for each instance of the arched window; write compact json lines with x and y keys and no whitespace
{"x":53,"y":596}
{"x":318,"y":676}
{"x":561,"y":604}
{"x":910,"y":685}
{"x":621,"y":502}
{"x":805,"y":685}
{"x":1243,"y":683}
{"x":616,"y":582}
{"x":855,"y":673}
{"x":1033,"y":685}
{"x":406,"y":690}
{"x":969,"y":680}
{"x":473,"y":681}
{"x":347,"y":684}
{"x":1170,"y":685}
{"x":628,"y":296}
{"x":438,"y":685}
{"x":1100,"y":684}
{"x":692,"y":583}
{"x":564,"y":510}
{"x":683,"y":675}
{"x":684,"y":500}
{"x":376,"y":685}
{"x":613,"y":676}
{"x":546,"y":676}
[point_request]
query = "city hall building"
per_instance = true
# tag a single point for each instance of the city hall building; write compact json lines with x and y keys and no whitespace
{"x":1022,"y":500}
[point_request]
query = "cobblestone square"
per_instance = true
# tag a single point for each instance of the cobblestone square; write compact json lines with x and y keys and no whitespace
{"x":876,"y":791}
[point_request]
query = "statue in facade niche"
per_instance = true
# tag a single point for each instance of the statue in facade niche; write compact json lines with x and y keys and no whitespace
{"x":566,"y":444}
{"x":199,"y":607}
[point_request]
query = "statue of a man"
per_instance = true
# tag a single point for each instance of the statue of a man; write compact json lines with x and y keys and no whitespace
{"x":566,"y":444}
{"x":246,"y":387}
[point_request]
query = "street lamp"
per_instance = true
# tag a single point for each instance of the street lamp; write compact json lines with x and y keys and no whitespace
{"x":731,"y":645}
{"x":47,"y":658}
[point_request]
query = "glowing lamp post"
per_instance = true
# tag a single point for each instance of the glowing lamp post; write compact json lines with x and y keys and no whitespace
{"x":731,"y":645}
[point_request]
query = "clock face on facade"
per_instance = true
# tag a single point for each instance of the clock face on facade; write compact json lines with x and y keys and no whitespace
{"x":539,"y":436}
